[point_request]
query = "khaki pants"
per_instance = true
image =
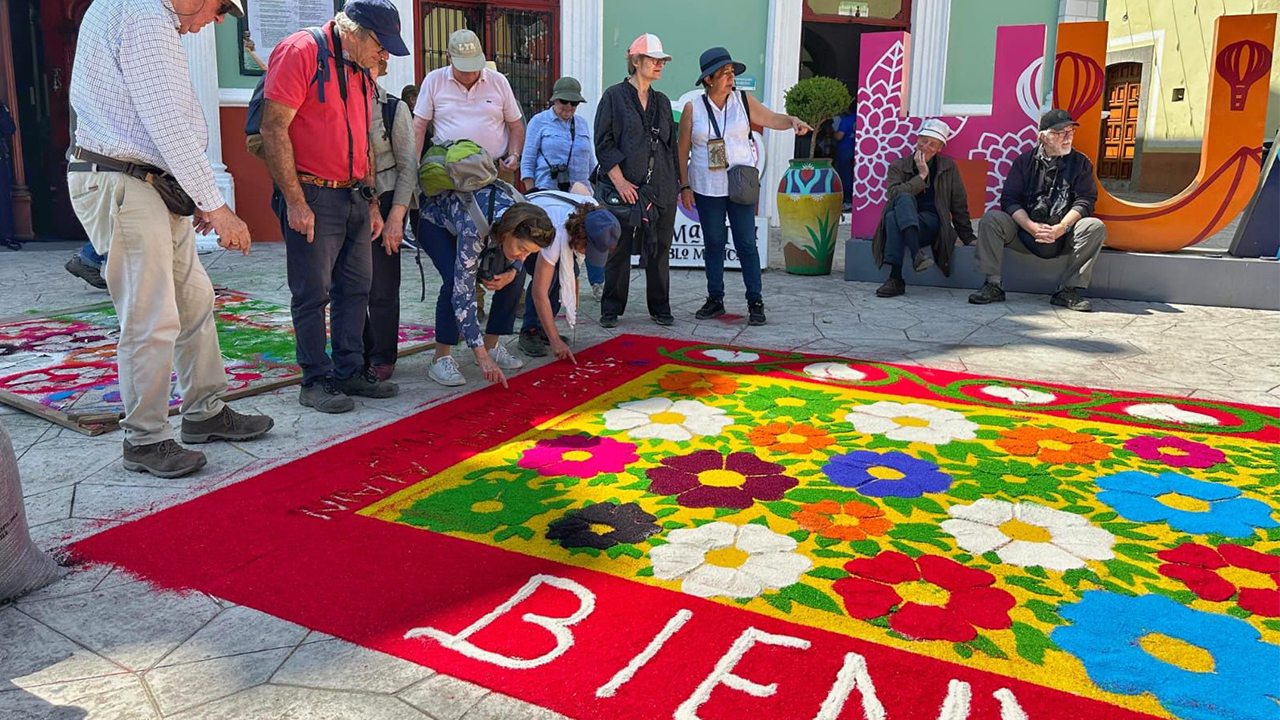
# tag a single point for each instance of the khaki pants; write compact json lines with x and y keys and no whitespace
{"x":997,"y":231}
{"x":163,"y":298}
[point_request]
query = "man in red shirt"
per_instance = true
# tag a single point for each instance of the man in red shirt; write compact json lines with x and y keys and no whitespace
{"x":315,"y":133}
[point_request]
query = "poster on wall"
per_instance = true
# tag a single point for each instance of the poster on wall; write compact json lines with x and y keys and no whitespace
{"x":687,"y":247}
{"x":267,"y":22}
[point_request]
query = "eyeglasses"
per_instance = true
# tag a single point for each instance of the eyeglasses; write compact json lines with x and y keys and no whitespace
{"x":656,"y":61}
{"x":1067,"y":132}
{"x":574,"y":103}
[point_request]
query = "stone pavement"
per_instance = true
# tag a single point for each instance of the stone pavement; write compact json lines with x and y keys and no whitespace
{"x":101,"y":644}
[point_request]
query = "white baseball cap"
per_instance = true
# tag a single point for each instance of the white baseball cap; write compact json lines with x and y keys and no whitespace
{"x":648,"y":45}
{"x":936,"y":129}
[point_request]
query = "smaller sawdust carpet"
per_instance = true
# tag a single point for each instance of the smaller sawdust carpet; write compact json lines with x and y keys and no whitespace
{"x":671,"y":529}
{"x":61,"y":365}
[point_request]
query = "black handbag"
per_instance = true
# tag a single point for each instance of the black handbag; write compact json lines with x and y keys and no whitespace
{"x":744,"y":180}
{"x":492,"y":261}
{"x":177,"y":200}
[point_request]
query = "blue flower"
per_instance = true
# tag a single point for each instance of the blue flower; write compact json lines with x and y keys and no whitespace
{"x":1106,"y":634}
{"x":891,"y":474}
{"x":1135,"y":495}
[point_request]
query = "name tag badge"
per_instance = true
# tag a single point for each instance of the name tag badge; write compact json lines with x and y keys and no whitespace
{"x":717,"y":158}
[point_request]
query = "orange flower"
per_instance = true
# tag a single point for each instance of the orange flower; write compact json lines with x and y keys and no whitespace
{"x":699,"y":384}
{"x":1053,"y":445}
{"x":795,"y":439}
{"x":854,"y":521}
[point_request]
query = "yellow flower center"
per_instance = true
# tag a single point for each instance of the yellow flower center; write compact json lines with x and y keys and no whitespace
{"x":1174,"y":452}
{"x":486,"y":506}
{"x":730,"y":557}
{"x":1242,"y":578}
{"x":908,"y":421}
{"x":1019,"y":530}
{"x":789,"y":402}
{"x":601,"y":528}
{"x":721,"y":478}
{"x":1013,"y":479}
{"x":1178,"y":653}
{"x":923,"y":593}
{"x":791,"y":439}
{"x":1184,"y":503}
{"x":1055,"y":445}
{"x":844,"y":520}
{"x":667,"y":418}
{"x":576,"y":456}
{"x":883,"y":473}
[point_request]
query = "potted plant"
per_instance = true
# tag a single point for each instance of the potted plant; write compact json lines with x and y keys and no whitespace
{"x":810,"y":196}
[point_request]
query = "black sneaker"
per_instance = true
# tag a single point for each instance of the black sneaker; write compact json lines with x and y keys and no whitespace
{"x":226,"y":425}
{"x":664,"y":319}
{"x":1070,"y":299}
{"x":165,"y":459}
{"x":325,"y":396}
{"x":989,"y":293}
{"x":365,"y":384}
{"x":608,"y":321}
{"x":893,"y":287}
{"x":755,"y":313}
{"x":86,"y":272}
{"x":532,"y":344}
{"x":712,"y":308}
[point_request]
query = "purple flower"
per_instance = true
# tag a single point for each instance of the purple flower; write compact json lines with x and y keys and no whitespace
{"x":708,"y":479}
{"x":891,"y":474}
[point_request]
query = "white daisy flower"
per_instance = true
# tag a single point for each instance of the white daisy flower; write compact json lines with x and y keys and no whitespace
{"x":1019,"y":395}
{"x":1170,"y":413}
{"x":1028,"y":534}
{"x":912,"y":422}
{"x":663,"y":419}
{"x":731,"y":356}
{"x":723,"y":559}
{"x":834,"y":371}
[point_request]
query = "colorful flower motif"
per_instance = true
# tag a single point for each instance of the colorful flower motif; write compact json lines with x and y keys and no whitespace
{"x":1027,"y":534}
{"x":1175,"y":451}
{"x":1189,"y":505}
{"x":912,"y":422}
{"x":731,"y":356}
{"x":890,"y":474}
{"x":1013,"y":478}
{"x":1201,"y":569}
{"x":696,"y":384}
{"x":796,"y":403}
{"x":1018,"y":395}
{"x":708,"y":479}
{"x":1053,"y":445}
{"x":851,"y":521}
{"x":791,"y":439}
{"x":723,"y":559}
{"x":1199,"y":665}
{"x":579,"y":456}
{"x":661,"y":418}
{"x":479,"y":507}
{"x":1166,"y":412}
{"x":937,"y":598}
{"x":603,"y":525}
{"x":834,"y":371}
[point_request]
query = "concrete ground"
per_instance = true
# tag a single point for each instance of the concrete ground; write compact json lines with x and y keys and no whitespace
{"x":101,"y":644}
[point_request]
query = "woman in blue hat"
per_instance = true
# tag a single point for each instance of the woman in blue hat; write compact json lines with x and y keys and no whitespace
{"x":716,"y":160}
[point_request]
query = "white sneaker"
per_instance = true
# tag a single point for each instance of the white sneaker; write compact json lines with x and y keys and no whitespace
{"x":597,"y":291}
{"x":504,"y":359}
{"x":445,"y":371}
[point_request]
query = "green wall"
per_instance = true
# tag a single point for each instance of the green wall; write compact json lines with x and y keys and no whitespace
{"x":227,"y":35}
{"x":686,"y":28}
{"x":971,"y":43}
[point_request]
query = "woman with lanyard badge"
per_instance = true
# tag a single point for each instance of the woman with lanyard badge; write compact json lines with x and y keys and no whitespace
{"x":715,"y":135}
{"x":559,"y":152}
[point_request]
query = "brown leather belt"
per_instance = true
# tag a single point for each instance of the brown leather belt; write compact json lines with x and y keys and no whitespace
{"x":321,"y":182}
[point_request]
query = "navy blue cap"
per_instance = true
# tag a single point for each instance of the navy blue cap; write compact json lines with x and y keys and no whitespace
{"x":382,"y":19}
{"x":716,"y":58}
{"x":603,"y":233}
{"x":1056,"y":119}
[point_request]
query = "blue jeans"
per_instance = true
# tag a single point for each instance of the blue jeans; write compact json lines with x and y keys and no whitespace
{"x":712,"y":211}
{"x":91,"y":258}
{"x":442,"y":248}
{"x":903,"y":214}
{"x":595,"y":274}
{"x":531,"y":322}
{"x":337,"y":266}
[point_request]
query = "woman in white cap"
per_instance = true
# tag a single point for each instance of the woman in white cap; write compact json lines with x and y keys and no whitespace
{"x":927,"y":210}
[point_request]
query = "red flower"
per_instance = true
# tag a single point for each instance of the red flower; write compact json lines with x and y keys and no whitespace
{"x":1198,"y":566}
{"x":962,"y":597}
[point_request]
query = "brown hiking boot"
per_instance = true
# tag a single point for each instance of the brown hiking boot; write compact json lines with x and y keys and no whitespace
{"x":226,"y":425}
{"x":165,"y":459}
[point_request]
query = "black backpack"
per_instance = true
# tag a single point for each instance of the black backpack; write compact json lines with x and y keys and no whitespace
{"x":389,"y":115}
{"x":253,"y":118}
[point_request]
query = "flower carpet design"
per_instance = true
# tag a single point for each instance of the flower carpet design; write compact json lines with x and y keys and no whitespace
{"x":1060,"y":555}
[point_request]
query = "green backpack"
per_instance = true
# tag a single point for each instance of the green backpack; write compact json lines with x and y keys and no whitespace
{"x":464,"y":167}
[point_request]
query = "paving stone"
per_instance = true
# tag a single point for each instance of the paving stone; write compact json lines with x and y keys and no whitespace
{"x":273,"y":702}
{"x":182,"y":686}
{"x":78,"y":579}
{"x":340,"y":665}
{"x":236,"y":631}
{"x":112,"y":697}
{"x":501,"y":707}
{"x":443,"y":697}
{"x":32,"y":654}
{"x":122,"y":502}
{"x":49,"y":506}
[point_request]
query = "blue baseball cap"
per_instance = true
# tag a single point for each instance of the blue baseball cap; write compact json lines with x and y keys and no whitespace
{"x":603,"y":233}
{"x":382,"y":19}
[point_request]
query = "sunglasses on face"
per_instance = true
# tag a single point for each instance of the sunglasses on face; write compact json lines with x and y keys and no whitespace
{"x":656,"y":61}
{"x":572,"y":103}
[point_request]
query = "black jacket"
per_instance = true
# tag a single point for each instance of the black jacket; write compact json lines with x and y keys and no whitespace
{"x":623,"y":139}
{"x":1021,"y":184}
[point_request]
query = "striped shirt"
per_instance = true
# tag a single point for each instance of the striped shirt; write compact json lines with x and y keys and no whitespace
{"x":132,"y":95}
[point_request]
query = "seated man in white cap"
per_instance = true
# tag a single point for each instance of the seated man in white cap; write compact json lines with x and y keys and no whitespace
{"x":927,"y":208}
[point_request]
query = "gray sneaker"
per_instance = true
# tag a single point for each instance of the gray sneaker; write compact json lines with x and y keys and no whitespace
{"x":165,"y":459}
{"x":532,"y":344}
{"x":365,"y":384}
{"x":325,"y":397}
{"x":86,"y":272}
{"x":226,"y":425}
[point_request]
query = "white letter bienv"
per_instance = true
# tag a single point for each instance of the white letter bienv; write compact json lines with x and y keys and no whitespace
{"x":673,"y":625}
{"x":558,"y":627}
{"x":723,"y":672}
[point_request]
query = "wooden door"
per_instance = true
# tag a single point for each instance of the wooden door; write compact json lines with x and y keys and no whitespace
{"x":1120,"y":129}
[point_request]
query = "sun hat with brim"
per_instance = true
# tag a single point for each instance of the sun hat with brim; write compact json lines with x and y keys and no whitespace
{"x":236,"y":9}
{"x":716,"y":58}
{"x":567,"y":89}
{"x":603,"y":233}
{"x":381,"y":18}
{"x":465,"y":52}
{"x":1057,"y":119}
{"x":648,"y":45}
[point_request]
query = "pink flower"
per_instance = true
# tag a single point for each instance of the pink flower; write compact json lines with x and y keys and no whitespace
{"x":580,"y":456}
{"x":1175,"y":451}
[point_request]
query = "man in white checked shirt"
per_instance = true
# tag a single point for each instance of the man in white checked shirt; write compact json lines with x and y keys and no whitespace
{"x":140,"y":174}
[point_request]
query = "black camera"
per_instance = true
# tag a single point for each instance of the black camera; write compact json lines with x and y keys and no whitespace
{"x":360,"y":191}
{"x":560,"y":175}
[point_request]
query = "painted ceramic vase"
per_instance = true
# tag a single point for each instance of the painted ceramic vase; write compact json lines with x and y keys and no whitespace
{"x":810,"y":199}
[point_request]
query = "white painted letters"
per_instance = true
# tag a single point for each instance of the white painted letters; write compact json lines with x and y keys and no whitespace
{"x":676,"y":622}
{"x":723,"y":672}
{"x":853,"y":674}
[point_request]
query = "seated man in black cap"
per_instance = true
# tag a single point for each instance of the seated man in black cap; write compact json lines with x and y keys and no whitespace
{"x":1045,"y":210}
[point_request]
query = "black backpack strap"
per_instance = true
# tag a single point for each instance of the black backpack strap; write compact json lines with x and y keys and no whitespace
{"x":322,"y":59}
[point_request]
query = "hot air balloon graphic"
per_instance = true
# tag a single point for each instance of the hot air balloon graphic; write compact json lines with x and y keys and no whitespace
{"x":1077,"y":82}
{"x":1242,"y":64}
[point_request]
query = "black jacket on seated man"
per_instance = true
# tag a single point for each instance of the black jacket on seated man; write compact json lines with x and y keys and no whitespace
{"x":1047,"y":189}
